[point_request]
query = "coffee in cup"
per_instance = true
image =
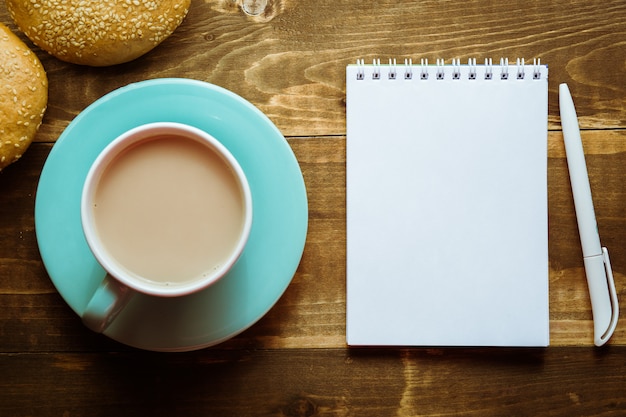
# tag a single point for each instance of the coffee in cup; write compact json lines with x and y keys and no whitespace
{"x":166,"y":210}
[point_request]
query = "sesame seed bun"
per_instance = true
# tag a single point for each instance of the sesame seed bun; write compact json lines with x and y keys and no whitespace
{"x":23,"y":96}
{"x":98,"y":33}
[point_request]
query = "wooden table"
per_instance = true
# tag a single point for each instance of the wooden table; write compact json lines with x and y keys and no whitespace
{"x":289,"y":60}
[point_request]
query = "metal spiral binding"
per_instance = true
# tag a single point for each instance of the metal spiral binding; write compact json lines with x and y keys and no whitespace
{"x":360,"y":72}
{"x":392,"y":69}
{"x":472,"y":68}
{"x":504,"y":65}
{"x":536,"y":68}
{"x":488,"y":69}
{"x":424,"y":69}
{"x":520,"y":69}
{"x":376,"y":74}
{"x":408,"y":69}
{"x":440,"y":69}
{"x":456,"y":69}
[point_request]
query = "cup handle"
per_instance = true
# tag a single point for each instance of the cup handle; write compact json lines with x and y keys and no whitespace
{"x":110,"y":298}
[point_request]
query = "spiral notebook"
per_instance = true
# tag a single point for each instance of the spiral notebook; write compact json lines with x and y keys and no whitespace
{"x":447,"y":223}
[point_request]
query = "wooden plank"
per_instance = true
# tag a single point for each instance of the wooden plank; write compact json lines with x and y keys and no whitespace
{"x":290,"y":60}
{"x":307,"y":382}
{"x":33,"y":317}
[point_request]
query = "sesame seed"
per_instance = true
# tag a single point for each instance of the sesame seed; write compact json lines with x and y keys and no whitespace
{"x":67,"y":28}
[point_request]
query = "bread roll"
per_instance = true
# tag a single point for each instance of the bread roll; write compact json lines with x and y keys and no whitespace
{"x":98,"y":32}
{"x":23,"y":96}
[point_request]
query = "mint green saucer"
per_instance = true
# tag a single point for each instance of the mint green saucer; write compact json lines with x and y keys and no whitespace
{"x":279,"y":225}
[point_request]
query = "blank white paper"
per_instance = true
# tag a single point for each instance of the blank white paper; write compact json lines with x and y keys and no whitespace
{"x":447,"y":223}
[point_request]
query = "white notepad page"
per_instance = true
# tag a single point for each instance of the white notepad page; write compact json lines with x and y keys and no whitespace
{"x":447,"y":223}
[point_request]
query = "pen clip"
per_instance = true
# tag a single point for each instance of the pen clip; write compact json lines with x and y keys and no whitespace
{"x":601,"y":339}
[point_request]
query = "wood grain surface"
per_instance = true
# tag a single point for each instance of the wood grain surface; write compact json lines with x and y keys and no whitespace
{"x":288,"y":58}
{"x":318,"y":382}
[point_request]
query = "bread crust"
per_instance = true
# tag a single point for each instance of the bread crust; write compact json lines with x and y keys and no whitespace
{"x":23,"y":96}
{"x":98,"y":32}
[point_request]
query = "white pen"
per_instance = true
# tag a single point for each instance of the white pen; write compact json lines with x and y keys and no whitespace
{"x":596,"y":258}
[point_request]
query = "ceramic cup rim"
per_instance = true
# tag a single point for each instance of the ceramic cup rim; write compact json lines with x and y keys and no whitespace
{"x":147,"y":132}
